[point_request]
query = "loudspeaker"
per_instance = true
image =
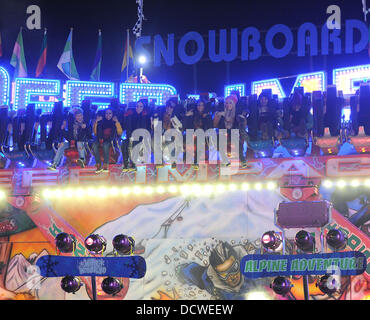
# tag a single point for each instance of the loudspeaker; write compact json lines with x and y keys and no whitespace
{"x":303,"y":214}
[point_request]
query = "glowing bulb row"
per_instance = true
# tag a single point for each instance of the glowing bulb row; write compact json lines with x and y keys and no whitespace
{"x":341,"y":184}
{"x":183,"y":189}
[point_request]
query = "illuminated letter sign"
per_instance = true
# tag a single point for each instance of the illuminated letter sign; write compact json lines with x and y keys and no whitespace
{"x":235,"y":87}
{"x":4,"y":87}
{"x":132,"y":92}
{"x":194,"y":58}
{"x":311,"y":82}
{"x":77,"y":91}
{"x":345,"y":78}
{"x":274,"y":84}
{"x":29,"y":90}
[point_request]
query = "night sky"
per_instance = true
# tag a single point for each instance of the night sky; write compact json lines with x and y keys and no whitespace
{"x":170,"y":16}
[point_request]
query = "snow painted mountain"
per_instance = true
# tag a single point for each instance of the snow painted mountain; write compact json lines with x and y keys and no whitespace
{"x":167,"y":229}
{"x":232,"y":214}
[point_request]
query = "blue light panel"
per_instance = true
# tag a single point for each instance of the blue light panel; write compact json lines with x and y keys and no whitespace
{"x":4,"y":87}
{"x":77,"y":91}
{"x":26,"y":89}
{"x":132,"y":92}
{"x":344,"y":78}
{"x":315,"y":81}
{"x":193,"y":96}
{"x":235,"y":87}
{"x":274,"y":84}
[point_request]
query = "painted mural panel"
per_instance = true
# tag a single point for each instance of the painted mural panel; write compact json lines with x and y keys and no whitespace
{"x":186,"y":242}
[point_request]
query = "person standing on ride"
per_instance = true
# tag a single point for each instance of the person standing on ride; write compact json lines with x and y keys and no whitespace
{"x":105,"y":130}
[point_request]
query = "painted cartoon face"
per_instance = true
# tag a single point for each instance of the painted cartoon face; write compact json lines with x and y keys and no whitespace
{"x":139,"y":107}
{"x":108,"y":114}
{"x":229,"y":104}
{"x":229,"y":271}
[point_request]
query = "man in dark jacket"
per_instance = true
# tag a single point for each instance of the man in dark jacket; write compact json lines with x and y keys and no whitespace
{"x":76,"y":134}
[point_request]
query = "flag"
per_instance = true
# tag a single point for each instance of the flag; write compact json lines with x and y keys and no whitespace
{"x":128,"y":60}
{"x":66,"y":62}
{"x":42,"y":60}
{"x":18,"y":61}
{"x":95,"y":75}
{"x":1,"y":47}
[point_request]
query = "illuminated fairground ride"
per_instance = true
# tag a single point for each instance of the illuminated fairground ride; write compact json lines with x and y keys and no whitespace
{"x":334,"y":155}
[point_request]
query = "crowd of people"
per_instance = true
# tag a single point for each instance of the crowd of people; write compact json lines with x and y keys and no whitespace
{"x":88,"y":131}
{"x":255,"y":118}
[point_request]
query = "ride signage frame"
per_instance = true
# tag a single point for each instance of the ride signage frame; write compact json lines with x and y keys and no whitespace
{"x":260,"y":266}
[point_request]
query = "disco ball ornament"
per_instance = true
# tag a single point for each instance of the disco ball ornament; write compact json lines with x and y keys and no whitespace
{"x":71,"y":284}
{"x":327,"y":284}
{"x":336,"y":239}
{"x":272,"y":241}
{"x":281,"y":286}
{"x":65,"y":242}
{"x":305,"y":241}
{"x":111,"y":285}
{"x":95,"y":243}
{"x":123,"y":244}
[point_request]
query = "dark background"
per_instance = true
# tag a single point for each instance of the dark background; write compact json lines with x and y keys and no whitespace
{"x":178,"y":17}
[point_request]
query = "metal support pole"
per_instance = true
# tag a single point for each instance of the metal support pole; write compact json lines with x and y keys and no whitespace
{"x":93,"y":285}
{"x":305,"y":288}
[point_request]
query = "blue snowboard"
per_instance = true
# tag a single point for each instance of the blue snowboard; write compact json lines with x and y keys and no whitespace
{"x":60,"y":266}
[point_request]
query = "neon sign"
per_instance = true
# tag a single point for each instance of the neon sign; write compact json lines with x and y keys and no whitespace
{"x":26,"y":89}
{"x":4,"y":86}
{"x":345,"y":78}
{"x":134,"y":91}
{"x":44,"y":93}
{"x":273,"y":84}
{"x":235,"y":87}
{"x":77,"y":91}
